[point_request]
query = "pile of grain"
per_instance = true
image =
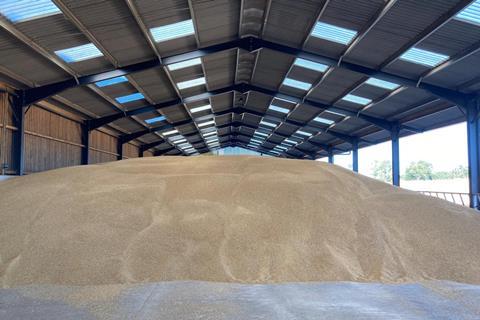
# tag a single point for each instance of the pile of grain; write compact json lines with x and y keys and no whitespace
{"x":233,"y":219}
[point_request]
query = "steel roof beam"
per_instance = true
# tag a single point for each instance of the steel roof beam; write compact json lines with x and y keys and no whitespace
{"x":250,"y":44}
{"x":436,"y":25}
{"x":384,"y":124}
{"x":39,"y":93}
{"x":448,"y":94}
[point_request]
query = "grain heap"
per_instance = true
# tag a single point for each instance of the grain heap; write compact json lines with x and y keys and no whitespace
{"x":231,"y":219}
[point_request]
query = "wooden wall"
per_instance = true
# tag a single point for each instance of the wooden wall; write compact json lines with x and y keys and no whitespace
{"x":130,"y":151}
{"x":53,"y":141}
{"x":6,"y":136}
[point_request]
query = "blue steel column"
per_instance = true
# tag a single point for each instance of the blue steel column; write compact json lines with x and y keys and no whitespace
{"x":19,"y":135}
{"x":355,"y":156}
{"x":395,"y":156}
{"x":330,"y":155}
{"x":473,"y":136}
{"x":85,"y":143}
{"x":119,"y":149}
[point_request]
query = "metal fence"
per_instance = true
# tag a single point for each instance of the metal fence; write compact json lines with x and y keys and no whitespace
{"x":455,"y":197}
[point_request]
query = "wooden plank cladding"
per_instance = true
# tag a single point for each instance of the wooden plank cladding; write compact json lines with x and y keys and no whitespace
{"x":6,"y":136}
{"x":53,"y":139}
{"x":130,"y":151}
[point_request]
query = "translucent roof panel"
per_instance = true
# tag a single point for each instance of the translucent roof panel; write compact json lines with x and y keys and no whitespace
{"x":304,"y":133}
{"x":310,"y":65}
{"x":191,"y":83}
{"x":278,"y":109}
{"x":111,"y":82}
{"x":333,"y":33}
{"x":173,"y":31}
{"x":297,"y":84}
{"x":24,"y":10}
{"x":204,"y":124}
{"x":269,"y":124}
{"x":357,"y":99}
{"x":209,"y":133}
{"x":201,"y":108}
{"x":79,"y":53}
{"x":323,"y":120}
{"x":382,"y":84}
{"x":167,"y":133}
{"x":423,"y":57}
{"x":130,"y":97}
{"x":184,"y":64}
{"x":470,"y":14}
{"x":156,"y":119}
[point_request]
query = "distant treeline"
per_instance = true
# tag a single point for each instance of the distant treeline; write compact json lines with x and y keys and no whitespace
{"x":418,"y":170}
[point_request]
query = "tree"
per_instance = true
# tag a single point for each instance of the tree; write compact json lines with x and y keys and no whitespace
{"x":460,"y":172}
{"x":382,"y":170}
{"x":420,"y":170}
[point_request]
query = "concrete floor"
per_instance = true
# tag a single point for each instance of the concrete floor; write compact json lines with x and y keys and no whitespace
{"x":208,"y":300}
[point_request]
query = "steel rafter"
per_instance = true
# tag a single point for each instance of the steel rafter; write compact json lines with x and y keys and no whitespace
{"x":249,"y":44}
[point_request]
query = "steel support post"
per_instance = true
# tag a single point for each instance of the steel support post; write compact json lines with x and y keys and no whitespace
{"x":19,"y":135}
{"x":395,"y":156}
{"x":119,"y":149}
{"x":355,"y":156}
{"x":330,"y":155}
{"x":85,"y":143}
{"x":473,"y":136}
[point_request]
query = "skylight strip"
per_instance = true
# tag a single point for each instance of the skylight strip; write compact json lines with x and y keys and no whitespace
{"x":170,"y":132}
{"x":323,"y":120}
{"x":423,"y":57}
{"x":209,"y":134}
{"x":297,"y":84}
{"x":24,"y":10}
{"x":179,"y":140}
{"x":173,"y":31}
{"x":111,"y":82}
{"x":204,"y":124}
{"x":304,"y":133}
{"x":202,"y":108}
{"x":260,"y":133}
{"x":307,"y":64}
{"x":156,"y":119}
{"x":130,"y":97}
{"x":289,"y":141}
{"x":269,"y":124}
{"x":79,"y":53}
{"x":278,"y":109}
{"x":382,"y":84}
{"x":256,"y":140}
{"x":184,"y":64}
{"x":356,"y":99}
{"x":333,"y":33}
{"x":470,"y":14}
{"x":177,"y":137}
{"x":191,"y":83}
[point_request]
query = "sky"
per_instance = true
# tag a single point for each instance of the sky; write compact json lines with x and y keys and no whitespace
{"x":444,"y":148}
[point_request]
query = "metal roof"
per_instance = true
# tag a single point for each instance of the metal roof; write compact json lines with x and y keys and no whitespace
{"x":247,"y":49}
